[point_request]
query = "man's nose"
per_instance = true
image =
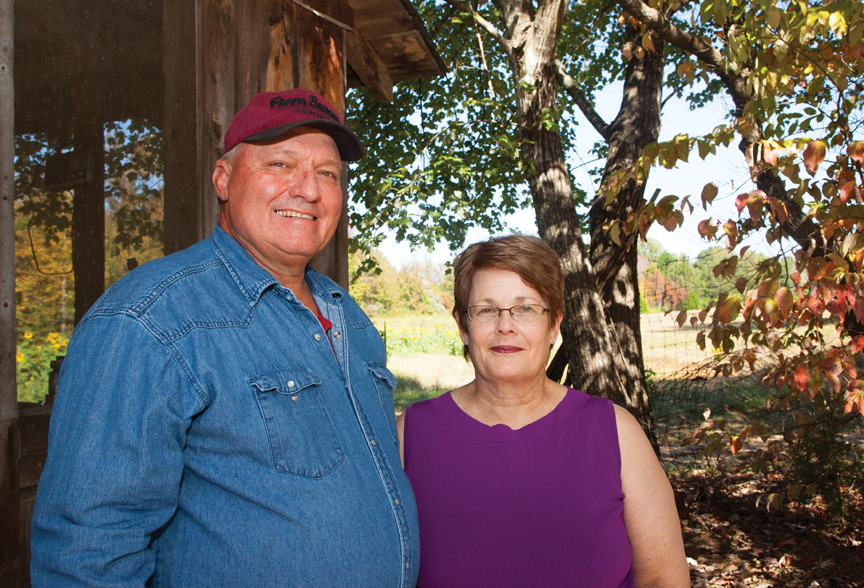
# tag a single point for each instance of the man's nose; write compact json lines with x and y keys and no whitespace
{"x":304,"y":184}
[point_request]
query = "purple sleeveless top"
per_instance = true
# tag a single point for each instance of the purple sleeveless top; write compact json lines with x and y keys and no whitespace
{"x":539,"y":506}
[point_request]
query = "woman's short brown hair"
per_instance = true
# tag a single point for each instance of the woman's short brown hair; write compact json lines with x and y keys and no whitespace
{"x":529,"y":257}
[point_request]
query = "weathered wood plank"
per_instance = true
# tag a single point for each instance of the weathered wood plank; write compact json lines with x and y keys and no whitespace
{"x":318,"y":64}
{"x":368,"y":67}
{"x":88,"y":223}
{"x":26,"y":500}
{"x":182,"y":220}
{"x":9,"y":520}
{"x":216,"y":90}
{"x":9,"y":524}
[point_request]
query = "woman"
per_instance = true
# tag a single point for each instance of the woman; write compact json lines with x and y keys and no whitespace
{"x":519,"y":480}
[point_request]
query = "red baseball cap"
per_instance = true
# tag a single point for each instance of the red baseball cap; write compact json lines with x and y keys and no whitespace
{"x":270,"y":114}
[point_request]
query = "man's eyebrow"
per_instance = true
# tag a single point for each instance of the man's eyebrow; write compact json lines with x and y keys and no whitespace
{"x":293,"y":152}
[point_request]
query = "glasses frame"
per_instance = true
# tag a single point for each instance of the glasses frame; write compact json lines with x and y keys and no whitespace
{"x":509,"y":310}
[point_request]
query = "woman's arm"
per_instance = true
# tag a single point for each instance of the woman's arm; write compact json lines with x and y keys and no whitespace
{"x":649,"y":511}
{"x":400,"y":430}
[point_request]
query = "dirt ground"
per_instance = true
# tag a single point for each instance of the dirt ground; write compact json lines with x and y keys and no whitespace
{"x":732,"y":541}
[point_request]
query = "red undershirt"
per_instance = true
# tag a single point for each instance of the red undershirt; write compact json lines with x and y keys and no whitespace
{"x":327,"y":325}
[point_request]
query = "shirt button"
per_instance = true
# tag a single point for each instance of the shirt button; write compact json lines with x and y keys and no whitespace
{"x":372,"y":441}
{"x":337,"y":334}
{"x":396,"y":501}
{"x":290,"y":383}
{"x":408,"y":566}
{"x":317,"y":336}
{"x":293,"y":397}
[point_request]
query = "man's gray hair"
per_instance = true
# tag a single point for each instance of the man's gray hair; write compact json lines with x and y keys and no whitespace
{"x":233,"y":152}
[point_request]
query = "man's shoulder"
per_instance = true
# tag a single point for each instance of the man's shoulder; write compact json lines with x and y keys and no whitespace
{"x":180,"y":282}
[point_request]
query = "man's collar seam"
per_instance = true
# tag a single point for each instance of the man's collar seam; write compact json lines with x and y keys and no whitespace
{"x":258,"y":288}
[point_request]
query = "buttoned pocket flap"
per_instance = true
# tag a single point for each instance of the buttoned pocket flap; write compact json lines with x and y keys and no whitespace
{"x":381,"y":372}
{"x":285,"y":382}
{"x":303,"y":440}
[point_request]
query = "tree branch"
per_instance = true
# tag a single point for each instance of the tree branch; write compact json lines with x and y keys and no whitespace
{"x":487,"y":26}
{"x":657,"y":21}
{"x":581,"y":100}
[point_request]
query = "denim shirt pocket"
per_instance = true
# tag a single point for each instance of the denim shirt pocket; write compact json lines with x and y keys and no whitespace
{"x":385,"y":383}
{"x":302,"y":437}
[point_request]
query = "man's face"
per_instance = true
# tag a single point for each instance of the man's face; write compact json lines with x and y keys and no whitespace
{"x":282,"y":200}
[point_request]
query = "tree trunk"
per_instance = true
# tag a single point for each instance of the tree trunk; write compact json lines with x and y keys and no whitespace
{"x":637,"y":125}
{"x":587,"y":339}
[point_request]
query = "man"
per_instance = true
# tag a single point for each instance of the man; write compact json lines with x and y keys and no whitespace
{"x":225,"y":416}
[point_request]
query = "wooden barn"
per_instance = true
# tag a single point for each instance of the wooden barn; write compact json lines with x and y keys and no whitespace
{"x":69,"y":66}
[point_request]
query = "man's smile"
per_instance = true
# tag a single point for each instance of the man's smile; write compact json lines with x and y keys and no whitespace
{"x":292,"y":214}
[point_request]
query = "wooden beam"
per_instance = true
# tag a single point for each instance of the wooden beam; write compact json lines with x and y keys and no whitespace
{"x":217,"y":46}
{"x":9,"y":521}
{"x":368,"y":67}
{"x":181,"y":222}
{"x":88,"y":224}
{"x":318,"y":48}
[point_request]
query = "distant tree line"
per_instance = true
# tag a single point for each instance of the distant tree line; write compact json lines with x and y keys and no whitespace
{"x":676,"y":282}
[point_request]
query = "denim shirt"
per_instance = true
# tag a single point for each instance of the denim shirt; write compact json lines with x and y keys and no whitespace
{"x":205,"y":433}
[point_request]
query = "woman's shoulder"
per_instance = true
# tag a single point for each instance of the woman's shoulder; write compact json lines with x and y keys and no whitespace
{"x":426,"y":407}
{"x":587,"y":402}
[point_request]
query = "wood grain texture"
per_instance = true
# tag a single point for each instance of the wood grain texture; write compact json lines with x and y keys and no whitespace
{"x":369,"y":68}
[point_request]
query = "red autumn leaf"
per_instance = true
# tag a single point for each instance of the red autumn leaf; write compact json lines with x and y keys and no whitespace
{"x":859,"y":309}
{"x":815,"y":306}
{"x":831,"y":365}
{"x":846,"y":294}
{"x":681,"y":318}
{"x":856,"y":344}
{"x":778,"y":208}
{"x":855,"y":397}
{"x":784,"y":300}
{"x":855,"y":151}
{"x":796,"y":278}
{"x":837,"y":308}
{"x":849,"y":191}
{"x":855,"y":402}
{"x":802,"y":374}
{"x":741,"y":201}
{"x":814,"y":154}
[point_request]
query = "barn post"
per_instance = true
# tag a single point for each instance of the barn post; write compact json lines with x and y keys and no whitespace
{"x":88,"y":221}
{"x":9,"y":438}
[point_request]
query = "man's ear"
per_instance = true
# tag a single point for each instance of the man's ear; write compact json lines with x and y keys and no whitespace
{"x":221,"y":176}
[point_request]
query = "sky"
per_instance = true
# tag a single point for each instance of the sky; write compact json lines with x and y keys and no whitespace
{"x":726,"y":168}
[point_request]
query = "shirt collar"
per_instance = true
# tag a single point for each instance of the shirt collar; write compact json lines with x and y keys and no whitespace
{"x":252,"y":279}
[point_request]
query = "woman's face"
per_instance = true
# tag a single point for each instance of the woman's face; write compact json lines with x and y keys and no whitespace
{"x":507,"y":350}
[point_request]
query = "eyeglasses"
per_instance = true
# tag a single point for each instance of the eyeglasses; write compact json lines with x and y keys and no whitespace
{"x":522,"y":313}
